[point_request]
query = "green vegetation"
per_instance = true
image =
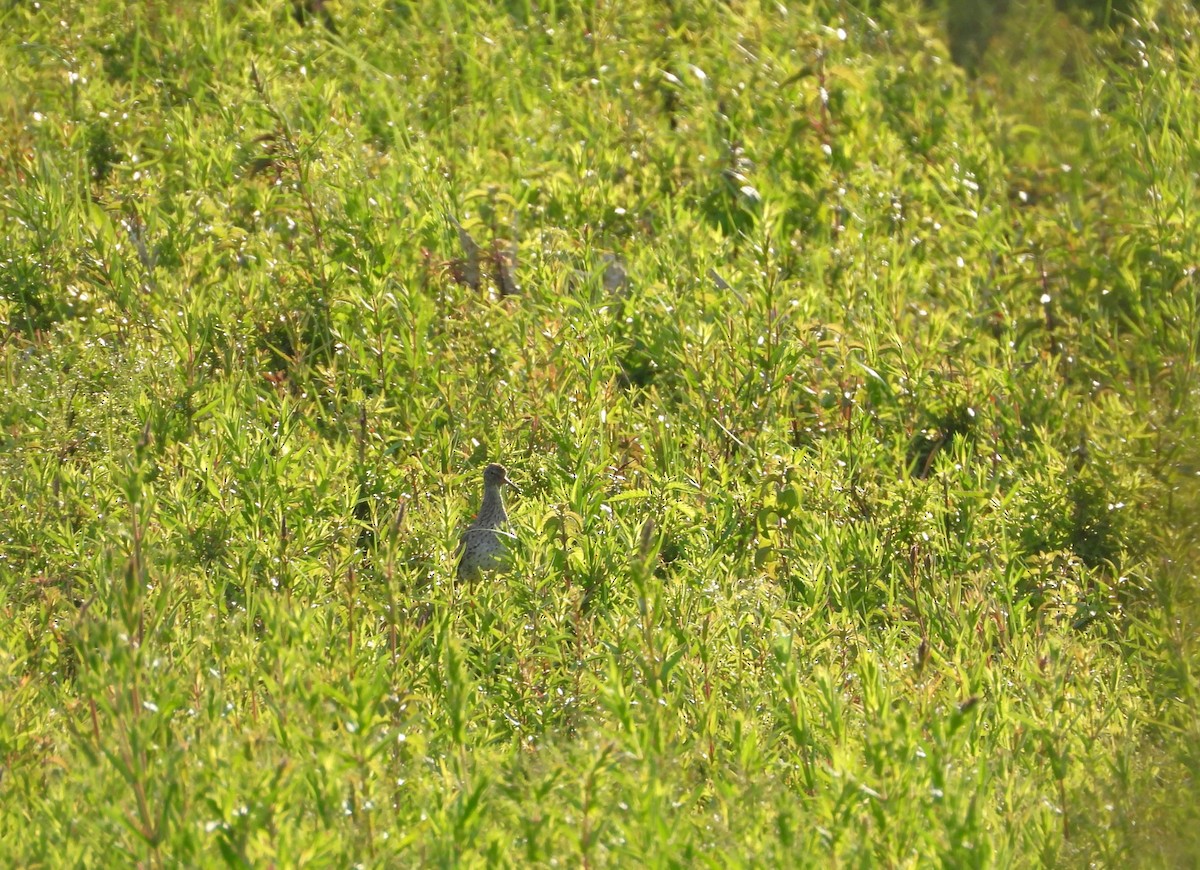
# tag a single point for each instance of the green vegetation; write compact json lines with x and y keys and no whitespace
{"x":854,"y":398}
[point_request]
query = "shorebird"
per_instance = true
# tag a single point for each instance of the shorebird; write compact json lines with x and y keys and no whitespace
{"x":482,"y":546}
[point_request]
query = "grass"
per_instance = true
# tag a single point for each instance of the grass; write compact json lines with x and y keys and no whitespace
{"x":853,"y":400}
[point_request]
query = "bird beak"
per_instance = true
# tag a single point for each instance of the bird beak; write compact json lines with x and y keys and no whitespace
{"x":508,"y":482}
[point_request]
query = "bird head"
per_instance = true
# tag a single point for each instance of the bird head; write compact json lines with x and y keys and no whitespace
{"x":496,"y":475}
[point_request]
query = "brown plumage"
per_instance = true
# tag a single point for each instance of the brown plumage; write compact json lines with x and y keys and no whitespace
{"x":482,"y":547}
{"x":302,"y":9}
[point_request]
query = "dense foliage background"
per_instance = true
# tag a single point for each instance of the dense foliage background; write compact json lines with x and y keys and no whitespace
{"x":853,"y":393}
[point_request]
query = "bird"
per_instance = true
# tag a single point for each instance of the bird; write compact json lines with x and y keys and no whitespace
{"x":302,"y":9}
{"x":482,"y":546}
